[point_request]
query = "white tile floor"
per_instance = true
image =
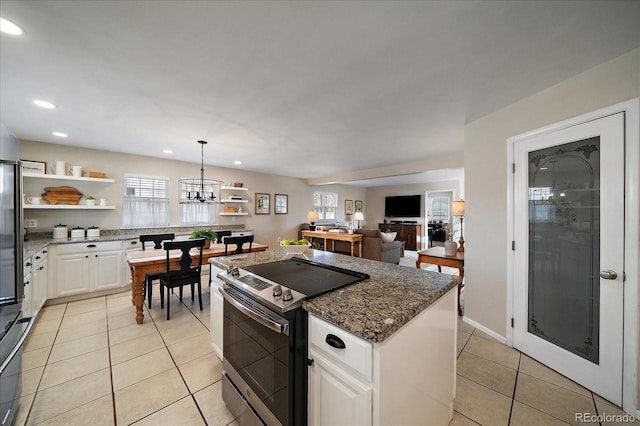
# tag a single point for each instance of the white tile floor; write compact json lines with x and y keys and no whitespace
{"x":88,"y":363}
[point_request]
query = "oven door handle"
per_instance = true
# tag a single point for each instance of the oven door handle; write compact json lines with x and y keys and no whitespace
{"x":256,"y":316}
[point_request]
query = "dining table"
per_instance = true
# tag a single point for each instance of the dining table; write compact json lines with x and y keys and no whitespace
{"x":144,"y":261}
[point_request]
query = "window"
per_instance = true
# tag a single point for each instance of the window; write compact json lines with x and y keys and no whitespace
{"x":326,"y":204}
{"x":541,"y":205}
{"x":146,"y":202}
{"x":195,"y":213}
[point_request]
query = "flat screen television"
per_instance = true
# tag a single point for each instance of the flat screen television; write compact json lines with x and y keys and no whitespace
{"x":402,"y":206}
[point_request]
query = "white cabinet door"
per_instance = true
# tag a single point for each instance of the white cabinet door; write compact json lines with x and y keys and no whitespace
{"x":216,"y":312}
{"x":335,"y":396}
{"x":27,"y":302}
{"x":71,"y":274}
{"x":40,"y":283}
{"x":106,"y":270}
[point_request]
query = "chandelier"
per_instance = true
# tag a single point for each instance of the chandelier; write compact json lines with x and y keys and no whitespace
{"x":199,"y":190}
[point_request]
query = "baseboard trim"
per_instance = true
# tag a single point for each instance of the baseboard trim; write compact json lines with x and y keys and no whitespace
{"x":485,"y":330}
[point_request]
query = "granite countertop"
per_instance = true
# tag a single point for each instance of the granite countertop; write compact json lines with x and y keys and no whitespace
{"x":39,"y":240}
{"x":372,"y":309}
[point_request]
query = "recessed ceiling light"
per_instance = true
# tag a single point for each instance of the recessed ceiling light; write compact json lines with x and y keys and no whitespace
{"x":167,"y":151}
{"x":60,"y":134}
{"x":44,"y":104}
{"x":9,"y":27}
{"x":237,"y":162}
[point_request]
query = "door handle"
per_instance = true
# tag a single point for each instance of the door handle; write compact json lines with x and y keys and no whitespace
{"x":608,"y":274}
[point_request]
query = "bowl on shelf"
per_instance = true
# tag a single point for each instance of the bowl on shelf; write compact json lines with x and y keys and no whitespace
{"x":294,"y":249}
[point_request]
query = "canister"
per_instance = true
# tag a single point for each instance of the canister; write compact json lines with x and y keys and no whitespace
{"x":60,"y":231}
{"x":93,"y":232}
{"x":77,"y":232}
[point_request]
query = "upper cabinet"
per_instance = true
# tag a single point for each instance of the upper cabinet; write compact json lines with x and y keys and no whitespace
{"x":66,"y":179}
{"x":233,"y":195}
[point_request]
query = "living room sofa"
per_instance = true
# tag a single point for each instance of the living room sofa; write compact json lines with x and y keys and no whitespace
{"x":373,"y":248}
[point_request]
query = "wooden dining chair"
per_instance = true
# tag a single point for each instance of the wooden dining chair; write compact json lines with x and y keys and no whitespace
{"x":149,"y":277}
{"x":238,"y":241}
{"x":187,"y":273}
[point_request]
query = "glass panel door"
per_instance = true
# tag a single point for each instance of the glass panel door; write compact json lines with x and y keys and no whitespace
{"x":564,"y":246}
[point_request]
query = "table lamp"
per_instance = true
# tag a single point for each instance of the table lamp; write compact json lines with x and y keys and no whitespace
{"x":312,"y":218}
{"x":457,"y":209}
{"x":358,"y":216}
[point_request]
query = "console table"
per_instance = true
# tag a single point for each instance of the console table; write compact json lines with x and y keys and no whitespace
{"x":436,"y":256}
{"x":334,"y":236}
{"x":410,"y":233}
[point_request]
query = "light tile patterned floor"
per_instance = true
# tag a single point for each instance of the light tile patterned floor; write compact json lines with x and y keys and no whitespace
{"x":88,"y":363}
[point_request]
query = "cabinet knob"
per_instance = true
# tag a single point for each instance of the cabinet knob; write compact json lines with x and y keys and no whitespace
{"x":310,"y":362}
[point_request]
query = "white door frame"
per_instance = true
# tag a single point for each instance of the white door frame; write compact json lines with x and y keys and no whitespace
{"x":631,"y":108}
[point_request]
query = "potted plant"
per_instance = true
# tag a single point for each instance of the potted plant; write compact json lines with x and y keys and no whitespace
{"x":91,"y":200}
{"x":208,"y":234}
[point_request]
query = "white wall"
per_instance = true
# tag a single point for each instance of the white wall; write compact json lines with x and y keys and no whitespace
{"x":267,"y":228}
{"x":486,"y":174}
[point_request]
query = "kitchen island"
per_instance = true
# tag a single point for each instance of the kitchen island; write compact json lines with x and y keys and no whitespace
{"x":398,"y":366}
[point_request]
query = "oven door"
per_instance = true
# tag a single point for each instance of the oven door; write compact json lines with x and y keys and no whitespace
{"x":258,"y":358}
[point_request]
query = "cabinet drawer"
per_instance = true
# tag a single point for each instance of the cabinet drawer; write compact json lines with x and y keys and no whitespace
{"x":40,"y":256}
{"x":357,"y":354}
{"x":88,"y":246}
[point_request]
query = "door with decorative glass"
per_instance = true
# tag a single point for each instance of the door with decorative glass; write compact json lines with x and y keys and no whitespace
{"x":569,"y":252}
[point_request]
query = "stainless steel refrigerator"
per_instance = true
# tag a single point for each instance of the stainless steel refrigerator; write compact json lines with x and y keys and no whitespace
{"x":14,"y":328}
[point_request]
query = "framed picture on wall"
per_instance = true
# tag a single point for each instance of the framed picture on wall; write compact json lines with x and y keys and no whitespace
{"x":358,"y":205}
{"x":262,"y":203}
{"x":281,"y":204}
{"x":348,"y":206}
{"x":36,"y":167}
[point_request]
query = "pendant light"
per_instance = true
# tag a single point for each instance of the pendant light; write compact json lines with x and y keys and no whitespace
{"x":199,"y":190}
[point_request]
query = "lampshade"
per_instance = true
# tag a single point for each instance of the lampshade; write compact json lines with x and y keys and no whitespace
{"x":358,"y":216}
{"x":312,"y":216}
{"x":457,"y":208}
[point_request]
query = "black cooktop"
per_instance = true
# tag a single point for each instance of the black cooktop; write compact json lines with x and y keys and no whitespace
{"x":307,"y":277}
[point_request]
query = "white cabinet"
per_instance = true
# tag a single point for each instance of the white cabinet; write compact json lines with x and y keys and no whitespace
{"x":87,"y":267}
{"x":35,"y":283}
{"x":133,"y":244}
{"x":27,"y":301}
{"x":337,"y":397}
{"x":40,"y":279}
{"x":216,"y":311}
{"x":408,"y":379}
{"x":232,"y":199}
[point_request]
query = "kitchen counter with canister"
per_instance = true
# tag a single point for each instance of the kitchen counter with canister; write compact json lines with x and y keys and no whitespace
{"x":368,"y":342}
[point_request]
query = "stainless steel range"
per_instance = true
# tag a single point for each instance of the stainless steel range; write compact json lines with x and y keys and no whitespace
{"x":265,"y":337}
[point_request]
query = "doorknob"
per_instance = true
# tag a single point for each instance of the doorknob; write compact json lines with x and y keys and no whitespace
{"x":608,"y":274}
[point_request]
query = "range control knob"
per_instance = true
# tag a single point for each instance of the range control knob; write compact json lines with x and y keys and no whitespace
{"x":235,"y":272}
{"x":277,"y":291}
{"x":286,"y":295}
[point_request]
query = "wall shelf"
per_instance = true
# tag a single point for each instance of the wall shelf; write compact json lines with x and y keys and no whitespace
{"x":234,"y":188}
{"x":234,"y":214}
{"x":67,"y":178}
{"x":233,"y":201}
{"x":65,"y":207}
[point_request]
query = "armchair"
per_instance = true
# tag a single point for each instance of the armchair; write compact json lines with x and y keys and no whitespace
{"x":373,"y":248}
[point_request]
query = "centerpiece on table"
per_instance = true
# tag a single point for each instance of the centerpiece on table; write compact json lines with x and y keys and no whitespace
{"x":208,"y":234}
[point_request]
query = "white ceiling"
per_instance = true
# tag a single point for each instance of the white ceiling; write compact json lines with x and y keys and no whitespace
{"x":302,"y":89}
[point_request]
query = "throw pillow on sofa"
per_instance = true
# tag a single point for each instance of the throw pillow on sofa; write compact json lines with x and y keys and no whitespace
{"x":387,"y":237}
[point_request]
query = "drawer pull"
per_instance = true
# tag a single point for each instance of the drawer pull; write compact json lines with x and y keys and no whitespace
{"x":91,"y":246}
{"x":334,"y":341}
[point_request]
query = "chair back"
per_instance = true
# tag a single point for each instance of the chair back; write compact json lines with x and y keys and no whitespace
{"x":239,"y":242}
{"x":220,"y":234}
{"x":157,"y":239}
{"x":185,"y":260}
